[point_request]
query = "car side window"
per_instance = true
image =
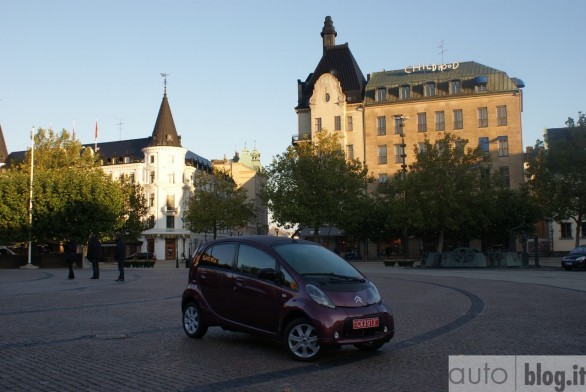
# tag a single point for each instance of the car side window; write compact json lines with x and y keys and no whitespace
{"x":220,"y":256}
{"x":287,"y":280}
{"x":251,"y":260}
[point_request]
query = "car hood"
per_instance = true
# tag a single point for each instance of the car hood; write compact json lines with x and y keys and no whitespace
{"x":573,"y":257}
{"x":353,"y":299}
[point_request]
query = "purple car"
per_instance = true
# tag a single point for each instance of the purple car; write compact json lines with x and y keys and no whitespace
{"x":293,"y":290}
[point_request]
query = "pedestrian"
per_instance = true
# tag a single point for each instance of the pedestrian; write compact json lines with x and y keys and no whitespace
{"x":94,"y":254}
{"x":119,"y":255}
{"x":70,"y":256}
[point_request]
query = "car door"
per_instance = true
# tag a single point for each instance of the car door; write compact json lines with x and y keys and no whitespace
{"x":257,"y":302}
{"x":215,"y":277}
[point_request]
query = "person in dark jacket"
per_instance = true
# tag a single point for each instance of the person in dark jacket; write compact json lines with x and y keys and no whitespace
{"x":119,"y":255}
{"x":94,"y":254}
{"x":70,"y":256}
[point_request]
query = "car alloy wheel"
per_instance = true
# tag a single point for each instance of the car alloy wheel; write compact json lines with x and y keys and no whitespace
{"x":192,"y":322}
{"x":301,"y":340}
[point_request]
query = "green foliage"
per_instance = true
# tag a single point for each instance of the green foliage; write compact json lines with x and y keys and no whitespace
{"x":217,"y":204}
{"x":71,"y":195}
{"x":556,"y":175}
{"x":133,"y":220}
{"x":312,"y":184}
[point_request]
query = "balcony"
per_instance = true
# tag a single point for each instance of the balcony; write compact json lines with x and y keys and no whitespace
{"x":295,"y":139}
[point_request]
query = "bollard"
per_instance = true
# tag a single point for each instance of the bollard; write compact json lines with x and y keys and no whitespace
{"x":177,"y":262}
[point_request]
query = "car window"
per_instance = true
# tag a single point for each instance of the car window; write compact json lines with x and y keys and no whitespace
{"x":287,"y":280}
{"x":315,"y":259}
{"x":251,"y":260}
{"x":220,"y":255}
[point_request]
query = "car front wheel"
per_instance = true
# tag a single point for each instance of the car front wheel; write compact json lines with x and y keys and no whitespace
{"x":193,"y":325}
{"x":301,"y":340}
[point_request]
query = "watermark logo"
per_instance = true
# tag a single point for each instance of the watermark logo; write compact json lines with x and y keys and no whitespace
{"x":517,"y":373}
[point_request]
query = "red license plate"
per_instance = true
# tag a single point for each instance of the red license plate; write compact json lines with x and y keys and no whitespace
{"x":365,"y":323}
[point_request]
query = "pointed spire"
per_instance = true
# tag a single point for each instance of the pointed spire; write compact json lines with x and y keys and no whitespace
{"x":165,"y":133}
{"x":328,"y":33}
{"x":3,"y":149}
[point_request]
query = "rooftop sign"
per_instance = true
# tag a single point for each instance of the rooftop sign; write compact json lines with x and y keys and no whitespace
{"x":431,"y":67}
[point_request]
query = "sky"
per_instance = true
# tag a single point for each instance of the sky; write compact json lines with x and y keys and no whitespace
{"x":233,"y":65}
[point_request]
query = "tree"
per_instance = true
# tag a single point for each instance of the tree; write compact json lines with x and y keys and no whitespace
{"x":217,"y":204}
{"x":133,"y":220}
{"x":442,"y":188}
{"x":556,"y":176}
{"x":72,"y":196}
{"x":312,"y":184}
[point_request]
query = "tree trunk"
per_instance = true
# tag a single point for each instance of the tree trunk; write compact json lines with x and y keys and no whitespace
{"x":440,"y":241}
{"x":578,"y":227}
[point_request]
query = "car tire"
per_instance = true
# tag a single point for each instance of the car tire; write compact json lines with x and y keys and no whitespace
{"x":301,"y":340}
{"x":370,"y":346}
{"x":193,"y":324}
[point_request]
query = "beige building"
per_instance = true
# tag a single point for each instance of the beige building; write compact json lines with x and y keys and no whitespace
{"x":384,"y":117}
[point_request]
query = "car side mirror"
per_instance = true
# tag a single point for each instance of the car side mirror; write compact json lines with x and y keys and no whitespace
{"x":268,"y":274}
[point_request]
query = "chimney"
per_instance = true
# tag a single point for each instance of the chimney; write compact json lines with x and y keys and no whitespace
{"x":328,"y":33}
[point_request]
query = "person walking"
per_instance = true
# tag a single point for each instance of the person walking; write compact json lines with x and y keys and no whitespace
{"x":70,"y":256}
{"x":119,"y":255}
{"x":94,"y":254}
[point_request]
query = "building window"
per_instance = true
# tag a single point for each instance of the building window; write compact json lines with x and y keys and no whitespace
{"x":131,"y":178}
{"x":170,"y":222}
{"x":501,"y":115}
{"x":430,"y":89}
{"x":151,"y":221}
{"x":349,"y":126}
{"x":405,"y":92}
{"x":152,"y":200}
{"x":482,"y":118}
{"x":440,"y":121}
{"x":381,"y":125}
{"x":566,"y":230}
{"x":318,"y":124}
{"x":504,"y":171}
{"x":171,"y":202}
{"x":350,"y":151}
{"x":583,"y":230}
{"x":420,"y":147}
{"x":382,"y":177}
{"x":483,"y":144}
{"x":338,"y":123}
{"x":455,"y":87}
{"x":381,"y":94}
{"x":421,"y":122}
{"x":458,"y":119}
{"x":503,"y":142}
{"x":399,"y":153}
{"x":152,"y":177}
{"x":171,"y":177}
{"x":382,"y":154}
{"x":152,"y":159}
{"x":398,"y":125}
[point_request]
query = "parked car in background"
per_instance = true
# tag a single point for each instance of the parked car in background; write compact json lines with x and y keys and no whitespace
{"x":575,"y":259}
{"x":142,"y":256}
{"x":293,"y":290}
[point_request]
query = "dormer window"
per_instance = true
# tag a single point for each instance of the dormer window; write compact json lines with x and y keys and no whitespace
{"x":480,"y":83}
{"x":381,"y":94}
{"x":405,"y":91}
{"x":430,"y":89}
{"x":169,"y":137}
{"x":455,"y":87}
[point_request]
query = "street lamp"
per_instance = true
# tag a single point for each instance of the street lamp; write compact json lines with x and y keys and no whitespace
{"x":401,"y":124}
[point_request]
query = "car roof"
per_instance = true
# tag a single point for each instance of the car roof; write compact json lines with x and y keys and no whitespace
{"x":266,"y":240}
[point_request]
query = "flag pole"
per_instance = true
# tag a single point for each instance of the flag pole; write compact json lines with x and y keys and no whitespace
{"x":30,"y":265}
{"x":96,"y":138}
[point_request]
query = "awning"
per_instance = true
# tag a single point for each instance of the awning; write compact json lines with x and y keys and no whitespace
{"x":481,"y":79}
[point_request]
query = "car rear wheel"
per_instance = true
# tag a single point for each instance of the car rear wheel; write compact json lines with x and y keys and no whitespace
{"x":370,"y":346}
{"x":301,"y":340}
{"x":193,"y":325}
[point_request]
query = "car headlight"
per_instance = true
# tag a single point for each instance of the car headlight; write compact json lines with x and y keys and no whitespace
{"x":376,"y":296}
{"x":581,"y":258}
{"x":319,"y":296}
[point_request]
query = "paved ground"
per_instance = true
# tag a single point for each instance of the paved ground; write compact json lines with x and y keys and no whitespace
{"x":99,"y":335}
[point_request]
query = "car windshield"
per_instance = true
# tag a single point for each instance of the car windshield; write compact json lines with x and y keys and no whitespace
{"x":580,"y":249}
{"x":307,"y":259}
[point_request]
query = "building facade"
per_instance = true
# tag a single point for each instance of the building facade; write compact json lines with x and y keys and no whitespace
{"x":383,"y":118}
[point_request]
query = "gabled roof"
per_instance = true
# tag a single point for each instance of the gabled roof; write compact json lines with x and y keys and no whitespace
{"x":165,"y":133}
{"x":3,"y":149}
{"x":339,"y":61}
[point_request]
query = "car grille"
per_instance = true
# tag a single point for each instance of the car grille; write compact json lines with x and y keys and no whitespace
{"x":349,"y":332}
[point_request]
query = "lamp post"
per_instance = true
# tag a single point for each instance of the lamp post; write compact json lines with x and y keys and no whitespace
{"x":401,"y":123}
{"x":29,"y":264}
